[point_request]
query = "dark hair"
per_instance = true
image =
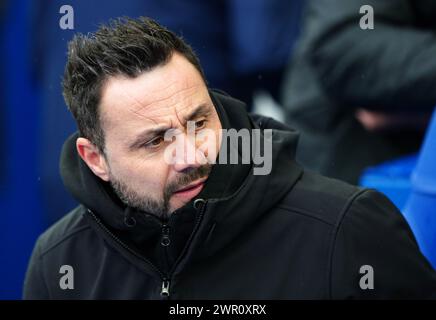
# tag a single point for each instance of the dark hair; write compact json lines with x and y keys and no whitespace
{"x":126,"y":47}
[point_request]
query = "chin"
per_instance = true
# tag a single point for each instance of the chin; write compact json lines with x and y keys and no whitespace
{"x":174,"y":205}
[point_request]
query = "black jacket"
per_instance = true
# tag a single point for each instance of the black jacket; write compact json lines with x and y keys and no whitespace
{"x":290,"y":234}
{"x":338,"y":67}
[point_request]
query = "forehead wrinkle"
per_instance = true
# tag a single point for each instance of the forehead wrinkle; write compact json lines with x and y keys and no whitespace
{"x":137,"y":112}
{"x":138,"y":107}
{"x":135,"y":102}
{"x":145,"y":105}
{"x":121,"y":93}
{"x":140,"y":112}
{"x":173,"y":95}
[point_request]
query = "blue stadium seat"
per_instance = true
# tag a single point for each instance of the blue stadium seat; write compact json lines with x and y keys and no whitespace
{"x":420,"y":210}
{"x":392,"y":178}
{"x":410,"y":183}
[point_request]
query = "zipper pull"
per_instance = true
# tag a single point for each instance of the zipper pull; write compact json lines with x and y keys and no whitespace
{"x":165,"y":236}
{"x":165,"y":288}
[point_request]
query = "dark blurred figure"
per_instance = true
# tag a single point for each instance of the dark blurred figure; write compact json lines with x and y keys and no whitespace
{"x":360,"y":97}
{"x":243,"y":45}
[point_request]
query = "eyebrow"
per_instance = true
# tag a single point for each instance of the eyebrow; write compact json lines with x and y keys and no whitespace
{"x":201,"y":110}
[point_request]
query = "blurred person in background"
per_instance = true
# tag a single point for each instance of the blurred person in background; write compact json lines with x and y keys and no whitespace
{"x":361,"y":96}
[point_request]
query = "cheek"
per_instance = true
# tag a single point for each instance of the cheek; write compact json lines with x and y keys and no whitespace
{"x":218,"y":135}
{"x":209,"y":140}
{"x":144,"y":175}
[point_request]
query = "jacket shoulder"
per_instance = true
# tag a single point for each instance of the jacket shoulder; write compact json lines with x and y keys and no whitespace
{"x":68,"y":226}
{"x":37,"y":284}
{"x":321,"y":198}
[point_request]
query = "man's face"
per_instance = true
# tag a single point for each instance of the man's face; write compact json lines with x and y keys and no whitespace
{"x":135,"y":115}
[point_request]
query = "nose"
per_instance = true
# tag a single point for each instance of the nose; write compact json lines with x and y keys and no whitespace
{"x":187,"y":156}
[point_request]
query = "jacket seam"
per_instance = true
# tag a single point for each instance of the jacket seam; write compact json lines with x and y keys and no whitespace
{"x":41,"y":273}
{"x":74,"y":232}
{"x":307,"y":214}
{"x":343,"y":213}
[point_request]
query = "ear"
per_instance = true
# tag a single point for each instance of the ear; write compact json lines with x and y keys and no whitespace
{"x":93,"y":158}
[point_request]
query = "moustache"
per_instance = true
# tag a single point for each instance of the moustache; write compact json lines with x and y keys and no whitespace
{"x":187,"y":178}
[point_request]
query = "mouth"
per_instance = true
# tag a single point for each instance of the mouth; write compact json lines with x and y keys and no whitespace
{"x":191,"y":190}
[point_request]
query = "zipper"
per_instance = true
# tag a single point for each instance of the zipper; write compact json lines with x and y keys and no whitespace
{"x":165,"y":241}
{"x":191,"y":237}
{"x":165,"y":291}
{"x":164,"y":278}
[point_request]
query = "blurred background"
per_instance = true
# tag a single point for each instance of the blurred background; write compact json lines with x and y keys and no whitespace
{"x":361,"y":97}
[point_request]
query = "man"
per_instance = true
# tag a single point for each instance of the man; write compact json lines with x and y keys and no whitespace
{"x":155,"y":224}
{"x":352,"y":85}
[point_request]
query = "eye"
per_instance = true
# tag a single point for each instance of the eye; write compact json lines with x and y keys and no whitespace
{"x":200,"y":124}
{"x":155,"y":142}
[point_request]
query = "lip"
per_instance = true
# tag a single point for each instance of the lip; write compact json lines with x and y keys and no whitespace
{"x":192,"y":185}
{"x":191,"y":190}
